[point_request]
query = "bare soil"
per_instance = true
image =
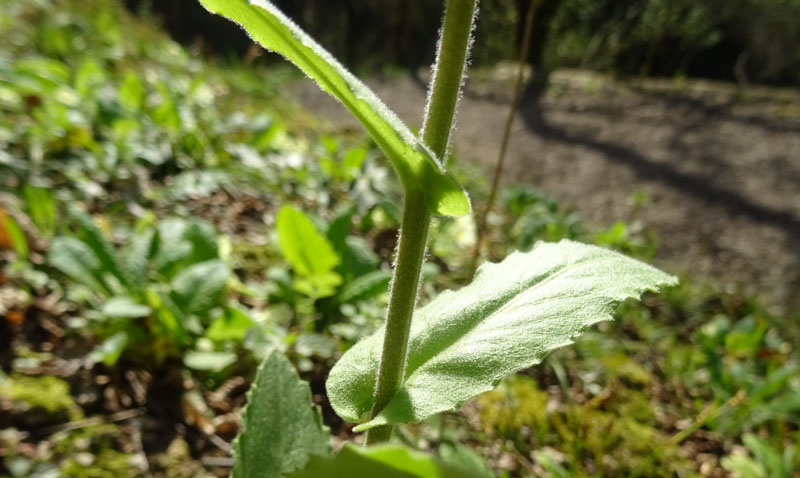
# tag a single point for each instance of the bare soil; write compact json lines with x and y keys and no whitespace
{"x":718,"y":165}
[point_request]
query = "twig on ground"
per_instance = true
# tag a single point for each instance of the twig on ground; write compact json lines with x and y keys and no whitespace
{"x":524,"y":51}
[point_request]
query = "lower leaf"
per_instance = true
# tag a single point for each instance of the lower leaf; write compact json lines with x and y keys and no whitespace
{"x":515,"y":312}
{"x":281,"y":428}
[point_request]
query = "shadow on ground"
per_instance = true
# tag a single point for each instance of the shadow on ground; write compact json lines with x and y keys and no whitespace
{"x":719,"y":166}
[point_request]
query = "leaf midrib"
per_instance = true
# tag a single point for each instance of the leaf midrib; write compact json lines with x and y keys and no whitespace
{"x":501,"y":304}
{"x":515,"y":296}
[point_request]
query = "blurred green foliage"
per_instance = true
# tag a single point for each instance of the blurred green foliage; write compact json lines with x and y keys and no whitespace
{"x":143,"y":185}
{"x":156,"y":296}
{"x":743,"y":40}
{"x":747,"y":40}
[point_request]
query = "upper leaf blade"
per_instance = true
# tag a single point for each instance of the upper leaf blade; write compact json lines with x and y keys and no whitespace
{"x":417,"y":167}
{"x":281,"y":428}
{"x":508,"y":319}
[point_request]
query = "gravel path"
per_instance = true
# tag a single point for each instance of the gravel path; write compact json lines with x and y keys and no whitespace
{"x":720,"y":168}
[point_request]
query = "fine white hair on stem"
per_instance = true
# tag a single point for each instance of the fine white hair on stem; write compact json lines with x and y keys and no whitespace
{"x":463,"y":76}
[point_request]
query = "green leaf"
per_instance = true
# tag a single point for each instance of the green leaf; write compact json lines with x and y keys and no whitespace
{"x":766,"y":455}
{"x":18,"y":241}
{"x":339,"y":228}
{"x":365,"y":287}
{"x":743,"y":466}
{"x":233,"y":325}
{"x":551,"y":466}
{"x":166,"y":113}
{"x":203,"y":237}
{"x":131,"y":93}
{"x":89,"y":78}
{"x":353,"y":160}
{"x":74,"y":258}
{"x":358,"y":258}
{"x":419,"y":171}
{"x":42,"y":209}
{"x":515,"y":312}
{"x":93,"y":237}
{"x":280,"y":426}
{"x":208,"y":361}
{"x":110,"y":350}
{"x":125,"y":308}
{"x":318,"y":286}
{"x":198,"y":288}
{"x":386,"y":461}
{"x":465,"y":457}
{"x":168,"y":321}
{"x":170,"y":255}
{"x":137,"y":258}
{"x":308,"y":251}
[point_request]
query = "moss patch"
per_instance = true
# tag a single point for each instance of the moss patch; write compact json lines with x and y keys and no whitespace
{"x":32,"y":402}
{"x":610,"y":436}
{"x":99,"y":451}
{"x":106,"y":464}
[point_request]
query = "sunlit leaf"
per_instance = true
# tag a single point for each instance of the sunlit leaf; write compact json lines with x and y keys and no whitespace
{"x":417,"y":167}
{"x":515,"y":312}
{"x":17,"y":237}
{"x":233,"y":324}
{"x":110,"y":349}
{"x":131,"y":93}
{"x":311,"y":255}
{"x":281,"y":428}
{"x":208,"y":361}
{"x":124,"y":308}
{"x":42,"y":209}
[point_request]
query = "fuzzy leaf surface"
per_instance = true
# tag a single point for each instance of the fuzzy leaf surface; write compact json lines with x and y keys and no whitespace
{"x":419,"y":170}
{"x":514,"y":312}
{"x":281,"y":427}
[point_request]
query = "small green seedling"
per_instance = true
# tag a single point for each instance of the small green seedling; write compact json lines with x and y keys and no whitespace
{"x":461,"y":344}
{"x":153,"y":298}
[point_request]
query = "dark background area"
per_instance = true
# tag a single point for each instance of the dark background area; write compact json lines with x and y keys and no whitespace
{"x":748,"y":41}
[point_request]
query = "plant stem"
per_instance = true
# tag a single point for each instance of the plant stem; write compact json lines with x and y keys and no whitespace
{"x":448,"y":74}
{"x":524,"y":51}
{"x":438,"y":123}
{"x":403,"y":297}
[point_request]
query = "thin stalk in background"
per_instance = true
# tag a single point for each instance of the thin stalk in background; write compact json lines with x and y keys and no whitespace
{"x":440,"y":110}
{"x":524,"y":51}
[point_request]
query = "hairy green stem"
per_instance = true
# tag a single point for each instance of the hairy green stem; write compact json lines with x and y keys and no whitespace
{"x":439,"y":113}
{"x":403,"y":297}
{"x":448,"y":74}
